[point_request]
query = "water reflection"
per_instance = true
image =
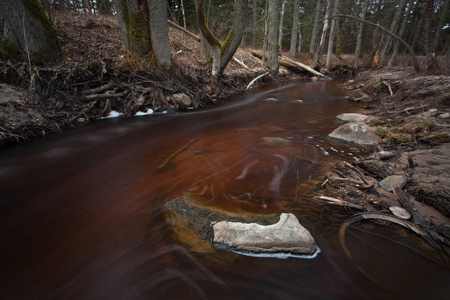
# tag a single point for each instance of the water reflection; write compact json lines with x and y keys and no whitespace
{"x":82,"y":212}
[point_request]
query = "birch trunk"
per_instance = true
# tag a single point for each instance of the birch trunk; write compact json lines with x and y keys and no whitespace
{"x":318,"y":55}
{"x":332,"y":36}
{"x":280,"y":32}
{"x":400,"y":34}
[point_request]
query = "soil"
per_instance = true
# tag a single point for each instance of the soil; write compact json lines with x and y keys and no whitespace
{"x":95,"y":76}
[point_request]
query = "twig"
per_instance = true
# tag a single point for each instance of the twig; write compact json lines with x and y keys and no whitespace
{"x":338,"y":202}
{"x":99,"y":89}
{"x":389,"y":87}
{"x":176,"y":153}
{"x":104,"y":96}
{"x":28,"y":50}
{"x":357,"y":171}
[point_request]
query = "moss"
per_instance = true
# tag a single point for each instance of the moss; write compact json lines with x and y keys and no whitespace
{"x":227,"y":43}
{"x":9,"y":49}
{"x":139,"y":34}
{"x":382,"y":132}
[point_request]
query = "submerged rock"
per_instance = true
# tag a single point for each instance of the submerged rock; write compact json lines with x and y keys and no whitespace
{"x":202,"y":227}
{"x":393,"y":181}
{"x":275,"y":142}
{"x":288,"y":235}
{"x":352,"y":117}
{"x":353,"y":133}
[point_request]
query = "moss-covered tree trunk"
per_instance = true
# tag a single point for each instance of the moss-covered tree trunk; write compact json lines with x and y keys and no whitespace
{"x":26,"y":25}
{"x":134,"y":24}
{"x":223,"y":52}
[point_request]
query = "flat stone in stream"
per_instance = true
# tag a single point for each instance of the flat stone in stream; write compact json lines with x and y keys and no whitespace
{"x":202,"y":228}
{"x":352,"y":117}
{"x":353,"y":133}
{"x":393,"y":181}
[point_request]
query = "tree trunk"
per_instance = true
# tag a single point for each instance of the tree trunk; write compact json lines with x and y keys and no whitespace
{"x":223,"y":52}
{"x":280,"y":31}
{"x":134,"y":24}
{"x":160,"y":33}
{"x":318,"y":55}
{"x":255,"y":24}
{"x":394,"y":23}
{"x":400,"y":34}
{"x":432,"y":62}
{"x":299,"y":47}
{"x":272,"y":59}
{"x":295,"y":29}
{"x":360,"y":31}
{"x":26,"y":25}
{"x":184,"y":15}
{"x":439,"y":25}
{"x":332,"y":36}
{"x":312,"y":45}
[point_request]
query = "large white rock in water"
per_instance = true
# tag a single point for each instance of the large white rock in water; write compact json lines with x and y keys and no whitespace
{"x":287,"y":236}
{"x":352,"y":117}
{"x":353,"y":133}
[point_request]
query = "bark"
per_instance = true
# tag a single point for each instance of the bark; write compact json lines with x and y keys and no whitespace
{"x":440,"y":25}
{"x":280,"y":31}
{"x":332,"y":36}
{"x":26,"y":25}
{"x":160,"y":33}
{"x":402,"y":30}
{"x":431,"y":55}
{"x":184,"y":15}
{"x":318,"y":54}
{"x":134,"y":24}
{"x":255,"y":24}
{"x":272,"y":59}
{"x":394,"y":23}
{"x":360,"y":31}
{"x":223,"y":52}
{"x":312,"y":45}
{"x":299,"y":47}
{"x":295,"y":28}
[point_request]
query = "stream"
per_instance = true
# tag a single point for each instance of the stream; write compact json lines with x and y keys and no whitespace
{"x":81,"y":212}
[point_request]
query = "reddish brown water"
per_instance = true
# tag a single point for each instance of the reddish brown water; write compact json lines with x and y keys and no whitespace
{"x":81,"y":212}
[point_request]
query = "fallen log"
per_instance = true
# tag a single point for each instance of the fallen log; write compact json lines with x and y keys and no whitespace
{"x":304,"y":67}
{"x":256,"y":79}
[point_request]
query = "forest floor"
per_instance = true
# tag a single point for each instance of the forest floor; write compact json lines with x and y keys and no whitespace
{"x":409,"y":110}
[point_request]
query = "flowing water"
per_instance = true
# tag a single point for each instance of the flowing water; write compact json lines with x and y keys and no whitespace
{"x":82,"y":212}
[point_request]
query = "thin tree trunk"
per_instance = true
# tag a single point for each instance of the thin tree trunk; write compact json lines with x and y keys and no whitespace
{"x":266,"y":32}
{"x":184,"y":15}
{"x":360,"y":31}
{"x":394,"y":23}
{"x":400,"y":34}
{"x":280,"y":32}
{"x":318,"y":55}
{"x":295,"y":28}
{"x":299,"y":47}
{"x":255,"y":23}
{"x":272,"y":57}
{"x":439,"y":25}
{"x":312,"y":45}
{"x":431,"y":55}
{"x":160,"y":33}
{"x":332,"y":36}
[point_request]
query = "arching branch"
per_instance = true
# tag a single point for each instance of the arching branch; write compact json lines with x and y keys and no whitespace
{"x":410,"y":49}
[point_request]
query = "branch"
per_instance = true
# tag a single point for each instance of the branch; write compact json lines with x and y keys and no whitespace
{"x":410,"y":49}
{"x":254,"y":80}
{"x":305,"y":67}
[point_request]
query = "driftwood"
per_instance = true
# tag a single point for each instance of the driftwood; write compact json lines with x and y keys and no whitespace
{"x":241,"y":64}
{"x":256,"y":79}
{"x":416,"y":216}
{"x":338,"y":202}
{"x":376,"y":167}
{"x":304,"y":67}
{"x":104,"y":96}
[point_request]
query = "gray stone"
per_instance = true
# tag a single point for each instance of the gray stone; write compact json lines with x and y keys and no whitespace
{"x":353,"y":133}
{"x":393,"y":181}
{"x":400,"y":212}
{"x":352,"y":117}
{"x":444,"y":116}
{"x":181,"y":100}
{"x":359,"y":96}
{"x":286,"y":236}
{"x":192,"y":222}
{"x":430,"y":113}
